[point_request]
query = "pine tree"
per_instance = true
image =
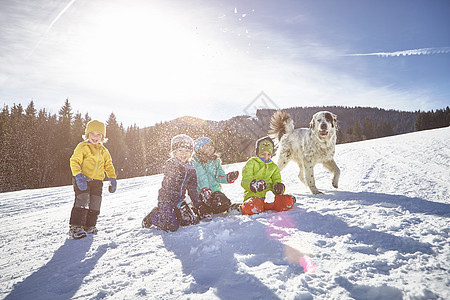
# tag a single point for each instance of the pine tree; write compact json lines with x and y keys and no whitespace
{"x":44,"y":148}
{"x":77,"y":131}
{"x":135,"y":153}
{"x":368,"y":129}
{"x":384,"y":129}
{"x":116,"y":144}
{"x":15,"y":149}
{"x":5,"y":130}
{"x":30,"y":142}
{"x":65,"y":148}
{"x":86,"y":120}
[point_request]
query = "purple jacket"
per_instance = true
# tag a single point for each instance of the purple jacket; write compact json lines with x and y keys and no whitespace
{"x":178,"y":177}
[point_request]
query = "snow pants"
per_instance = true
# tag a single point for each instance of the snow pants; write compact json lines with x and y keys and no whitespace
{"x":255,"y":205}
{"x":170,"y":217}
{"x":86,"y":207}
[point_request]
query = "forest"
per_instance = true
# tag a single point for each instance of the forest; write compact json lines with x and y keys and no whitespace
{"x":35,"y":146}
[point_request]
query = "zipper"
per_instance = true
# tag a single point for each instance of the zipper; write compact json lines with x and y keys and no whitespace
{"x":96,"y":164}
{"x":182,"y":184}
{"x":185,"y":175}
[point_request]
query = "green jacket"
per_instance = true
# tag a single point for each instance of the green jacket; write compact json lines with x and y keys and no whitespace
{"x":256,"y":168}
{"x":209,"y":175}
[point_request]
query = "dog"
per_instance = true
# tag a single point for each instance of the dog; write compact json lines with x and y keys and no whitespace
{"x":306,"y":146}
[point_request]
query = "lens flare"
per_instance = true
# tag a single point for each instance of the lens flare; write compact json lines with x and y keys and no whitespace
{"x":278,"y":228}
{"x":307,"y":264}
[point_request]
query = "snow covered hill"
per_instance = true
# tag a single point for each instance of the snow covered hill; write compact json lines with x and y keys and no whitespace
{"x":384,"y":234}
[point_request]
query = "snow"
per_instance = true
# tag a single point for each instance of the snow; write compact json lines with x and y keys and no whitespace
{"x":384,"y":234}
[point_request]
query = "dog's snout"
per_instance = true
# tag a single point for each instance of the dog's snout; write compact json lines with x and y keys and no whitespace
{"x":323,"y":126}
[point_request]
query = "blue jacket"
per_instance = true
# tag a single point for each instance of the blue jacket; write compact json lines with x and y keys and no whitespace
{"x":178,"y":177}
{"x":209,"y":175}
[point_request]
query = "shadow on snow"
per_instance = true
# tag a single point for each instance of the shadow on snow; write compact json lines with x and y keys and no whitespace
{"x":330,"y":225}
{"x":63,"y":275}
{"x":414,"y":205}
{"x":221,"y":259}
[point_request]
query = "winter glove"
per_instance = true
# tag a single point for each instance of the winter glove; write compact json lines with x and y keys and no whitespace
{"x":205,"y":194}
{"x":81,"y":181}
{"x":202,"y":210}
{"x":258,"y":186}
{"x":112,"y":185}
{"x":278,"y":188}
{"x":187,"y":217}
{"x":232,"y":176}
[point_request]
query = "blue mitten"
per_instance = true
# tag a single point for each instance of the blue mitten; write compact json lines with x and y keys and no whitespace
{"x":81,"y":180}
{"x":112,"y":185}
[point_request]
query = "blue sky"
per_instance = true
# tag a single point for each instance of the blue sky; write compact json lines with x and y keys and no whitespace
{"x":150,"y":61}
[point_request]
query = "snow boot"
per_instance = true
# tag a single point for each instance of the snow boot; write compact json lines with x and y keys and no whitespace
{"x":77,"y":232}
{"x":91,"y":230}
{"x":253,"y":205}
{"x":235,"y":208}
{"x":203,"y":211}
{"x":283,"y":202}
{"x":147,"y":221}
{"x":185,"y":215}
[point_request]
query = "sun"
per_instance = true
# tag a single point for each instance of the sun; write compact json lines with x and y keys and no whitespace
{"x":134,"y":48}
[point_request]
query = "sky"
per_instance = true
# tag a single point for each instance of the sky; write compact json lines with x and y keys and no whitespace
{"x":152,"y":61}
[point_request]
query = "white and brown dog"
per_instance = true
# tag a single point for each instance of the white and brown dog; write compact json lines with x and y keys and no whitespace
{"x":306,"y":146}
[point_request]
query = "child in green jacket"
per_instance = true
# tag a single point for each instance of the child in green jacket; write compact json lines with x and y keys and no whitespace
{"x":210,"y":176}
{"x":260,"y":175}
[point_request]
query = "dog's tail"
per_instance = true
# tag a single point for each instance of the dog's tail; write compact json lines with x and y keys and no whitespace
{"x":281,"y":123}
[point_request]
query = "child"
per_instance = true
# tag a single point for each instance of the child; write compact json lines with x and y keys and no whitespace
{"x":210,"y":175}
{"x":260,"y":175}
{"x":179,"y":175}
{"x":89,"y":162}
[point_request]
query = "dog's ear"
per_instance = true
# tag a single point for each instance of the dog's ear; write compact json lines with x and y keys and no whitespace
{"x":334,"y":120}
{"x":311,"y":124}
{"x":331,"y":118}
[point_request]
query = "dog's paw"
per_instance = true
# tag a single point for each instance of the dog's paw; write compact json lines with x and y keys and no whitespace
{"x":316,"y":192}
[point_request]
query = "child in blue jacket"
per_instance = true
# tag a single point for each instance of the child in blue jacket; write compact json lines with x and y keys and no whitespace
{"x":179,"y":176}
{"x":210,"y":176}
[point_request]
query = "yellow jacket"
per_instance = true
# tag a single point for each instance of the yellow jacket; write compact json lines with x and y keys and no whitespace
{"x":92,"y":160}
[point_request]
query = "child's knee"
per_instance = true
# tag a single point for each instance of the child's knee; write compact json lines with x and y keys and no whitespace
{"x":166,"y":223}
{"x":253,"y":205}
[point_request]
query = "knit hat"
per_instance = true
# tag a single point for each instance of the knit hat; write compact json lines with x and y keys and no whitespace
{"x":264,"y":144}
{"x":95,"y":125}
{"x":200,"y":142}
{"x":181,"y":142}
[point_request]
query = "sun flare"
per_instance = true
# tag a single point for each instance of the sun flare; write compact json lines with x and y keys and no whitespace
{"x":141,"y":50}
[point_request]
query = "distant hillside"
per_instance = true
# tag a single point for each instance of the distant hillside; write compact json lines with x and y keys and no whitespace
{"x":384,"y":122}
{"x":235,"y":138}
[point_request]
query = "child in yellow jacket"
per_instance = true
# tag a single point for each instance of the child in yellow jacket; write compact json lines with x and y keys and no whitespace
{"x":261,"y":175}
{"x":89,"y":163}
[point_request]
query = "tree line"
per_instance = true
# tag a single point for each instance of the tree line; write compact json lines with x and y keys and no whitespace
{"x":35,"y":146}
{"x":433,"y":119}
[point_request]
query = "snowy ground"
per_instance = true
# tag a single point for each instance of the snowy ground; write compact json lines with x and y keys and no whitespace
{"x":384,"y":234}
